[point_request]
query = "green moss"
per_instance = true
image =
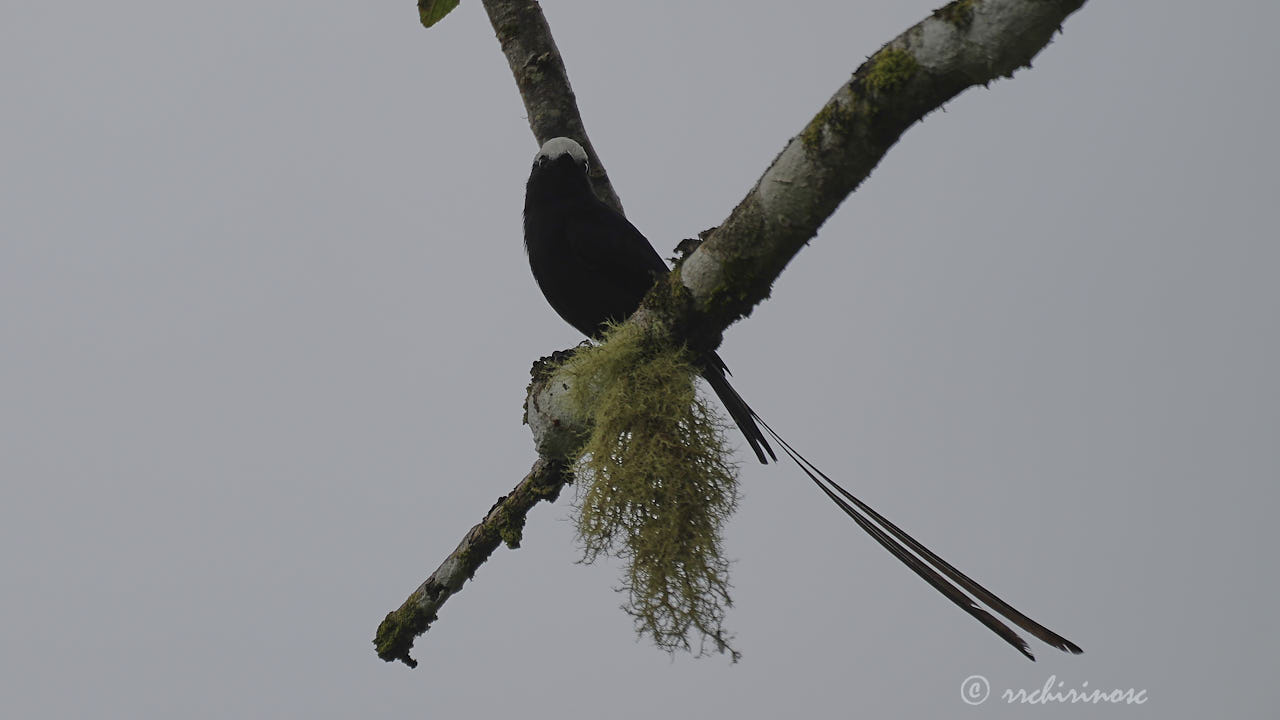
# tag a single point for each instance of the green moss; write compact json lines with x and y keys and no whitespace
{"x":729,"y":299}
{"x":834,"y":115}
{"x":549,"y":491}
{"x":886,"y":72}
{"x":891,"y":69}
{"x":655,"y":486}
{"x":959,"y":13}
{"x":511,"y":528}
{"x":396,"y":633}
{"x":669,"y":300}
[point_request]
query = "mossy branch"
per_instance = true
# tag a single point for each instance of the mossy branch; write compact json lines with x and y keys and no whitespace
{"x":502,"y":524}
{"x":960,"y":45}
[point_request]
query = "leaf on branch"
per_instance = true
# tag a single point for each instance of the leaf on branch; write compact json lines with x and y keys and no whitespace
{"x":432,"y":11}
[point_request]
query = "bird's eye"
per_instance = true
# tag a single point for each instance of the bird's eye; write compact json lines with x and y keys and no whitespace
{"x":586,"y":166}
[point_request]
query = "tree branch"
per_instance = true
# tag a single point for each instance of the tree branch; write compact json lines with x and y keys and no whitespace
{"x":965,"y":43}
{"x":962,"y":44}
{"x":503,"y":523}
{"x":543,"y":82}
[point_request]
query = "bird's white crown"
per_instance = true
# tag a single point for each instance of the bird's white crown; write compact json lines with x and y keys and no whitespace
{"x":555,"y":147}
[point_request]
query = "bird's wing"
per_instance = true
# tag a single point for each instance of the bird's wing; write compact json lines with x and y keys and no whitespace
{"x":613,"y":247}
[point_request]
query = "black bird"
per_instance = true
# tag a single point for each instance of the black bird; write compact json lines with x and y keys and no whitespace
{"x":594,"y":267}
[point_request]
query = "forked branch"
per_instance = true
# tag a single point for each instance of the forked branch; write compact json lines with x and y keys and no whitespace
{"x":960,"y":45}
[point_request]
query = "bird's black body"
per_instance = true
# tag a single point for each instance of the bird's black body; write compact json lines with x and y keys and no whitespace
{"x":590,"y":261}
{"x":594,"y":267}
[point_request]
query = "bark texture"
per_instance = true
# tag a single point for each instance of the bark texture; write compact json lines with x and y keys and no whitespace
{"x":543,"y":82}
{"x":962,"y":44}
{"x":502,"y":524}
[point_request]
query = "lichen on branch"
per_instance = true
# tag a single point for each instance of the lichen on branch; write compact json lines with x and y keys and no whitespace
{"x":656,"y":483}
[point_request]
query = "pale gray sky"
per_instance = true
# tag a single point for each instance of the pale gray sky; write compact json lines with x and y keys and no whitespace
{"x":267,"y":324}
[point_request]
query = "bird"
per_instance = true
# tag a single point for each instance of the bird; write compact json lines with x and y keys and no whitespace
{"x":594,"y":268}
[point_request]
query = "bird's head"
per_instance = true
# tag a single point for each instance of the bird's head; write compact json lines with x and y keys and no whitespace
{"x":560,"y":167}
{"x":561,"y":150}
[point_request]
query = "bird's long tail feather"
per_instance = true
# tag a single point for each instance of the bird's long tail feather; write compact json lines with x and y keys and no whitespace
{"x":943,"y":576}
{"x":738,"y":409}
